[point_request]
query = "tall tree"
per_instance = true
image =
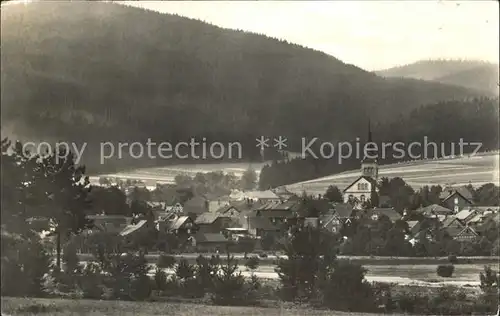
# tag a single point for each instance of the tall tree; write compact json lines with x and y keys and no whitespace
{"x":62,"y":193}
{"x":248,"y":179}
{"x":333,"y":194}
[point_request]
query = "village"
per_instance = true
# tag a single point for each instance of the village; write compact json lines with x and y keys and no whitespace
{"x":257,"y":220}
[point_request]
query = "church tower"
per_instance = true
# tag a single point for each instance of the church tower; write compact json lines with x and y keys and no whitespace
{"x":369,"y":165}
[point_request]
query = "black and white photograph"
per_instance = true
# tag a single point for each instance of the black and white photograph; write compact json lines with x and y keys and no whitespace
{"x":252,"y":158}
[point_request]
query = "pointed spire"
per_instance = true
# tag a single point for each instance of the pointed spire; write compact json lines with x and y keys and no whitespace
{"x":369,"y":131}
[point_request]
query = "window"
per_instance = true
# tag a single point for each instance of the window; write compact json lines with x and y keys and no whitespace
{"x":456,"y":200}
{"x":360,"y":186}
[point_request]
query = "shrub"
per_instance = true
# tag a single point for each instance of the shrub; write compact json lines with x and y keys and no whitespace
{"x":166,"y":261}
{"x":25,"y":262}
{"x":490,"y":287}
{"x":346,"y":289}
{"x":206,"y":270}
{"x":92,"y":281}
{"x":230,"y":287}
{"x":445,"y":270}
{"x":252,"y":263}
{"x":160,"y":279}
{"x":452,"y":259}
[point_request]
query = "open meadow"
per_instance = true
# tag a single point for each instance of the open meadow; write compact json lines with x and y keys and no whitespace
{"x":476,"y":170}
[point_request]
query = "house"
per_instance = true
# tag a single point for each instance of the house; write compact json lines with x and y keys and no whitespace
{"x":457,"y":230}
{"x":216,"y":202}
{"x":196,"y":206}
{"x":228,"y":210}
{"x":109,"y":223}
{"x":434,"y":210}
{"x":257,"y":225}
{"x":177,"y":225}
{"x":456,"y":198}
{"x":283,"y":193}
{"x":263,"y":196}
{"x":213,"y":222}
{"x":389,"y":212}
{"x":466,"y":214}
{"x":210,"y":242}
{"x":360,"y":190}
{"x":330,"y":222}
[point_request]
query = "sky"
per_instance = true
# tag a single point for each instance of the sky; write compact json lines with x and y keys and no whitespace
{"x":373,"y":35}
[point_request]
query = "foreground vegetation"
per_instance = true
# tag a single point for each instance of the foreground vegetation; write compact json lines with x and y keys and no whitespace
{"x":62,"y":307}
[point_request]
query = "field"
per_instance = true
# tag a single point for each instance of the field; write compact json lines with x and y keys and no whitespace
{"x":62,"y":307}
{"x":476,"y":170}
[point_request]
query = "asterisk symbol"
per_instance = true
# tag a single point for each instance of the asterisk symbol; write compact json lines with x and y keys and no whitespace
{"x":262,"y":142}
{"x":280,"y":142}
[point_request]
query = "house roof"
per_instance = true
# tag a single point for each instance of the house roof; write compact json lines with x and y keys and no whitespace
{"x":178,"y":222}
{"x":283,"y":192}
{"x":261,"y":223}
{"x":463,"y":191}
{"x":210,"y":237}
{"x":434,"y":209}
{"x":465,"y":214}
{"x":343,"y":210}
{"x":411,"y":224}
{"x":268,"y":194}
{"x":449,"y":220}
{"x":389,"y":212}
{"x":369,"y":179}
{"x":207,"y":218}
{"x":132,"y":228}
{"x":224,"y":209}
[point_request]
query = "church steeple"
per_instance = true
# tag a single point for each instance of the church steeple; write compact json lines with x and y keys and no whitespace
{"x":369,"y":132}
{"x":369,"y":165}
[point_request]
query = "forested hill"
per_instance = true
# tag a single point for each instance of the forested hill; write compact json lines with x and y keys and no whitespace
{"x":89,"y":71}
{"x":472,"y":74}
{"x":444,"y":123}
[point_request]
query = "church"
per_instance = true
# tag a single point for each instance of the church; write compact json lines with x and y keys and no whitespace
{"x":363,"y":187}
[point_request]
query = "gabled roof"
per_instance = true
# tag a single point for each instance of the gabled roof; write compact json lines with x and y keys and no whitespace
{"x":465,"y":214}
{"x":369,"y":179}
{"x":450,"y":220}
{"x":132,"y":228}
{"x":411,"y":224}
{"x":343,"y":210}
{"x":435,"y":209}
{"x":207,"y":218}
{"x":226,"y":208}
{"x":178,"y":222}
{"x":268,"y":194}
{"x":462,"y":191}
{"x":389,"y":212}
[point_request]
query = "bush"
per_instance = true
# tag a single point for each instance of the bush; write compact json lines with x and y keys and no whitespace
{"x":25,"y":262}
{"x":445,"y":270}
{"x":346,"y":289}
{"x":252,"y":263}
{"x":166,"y":261}
{"x":230,"y":288}
{"x":452,"y":259}
{"x":161,"y":279}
